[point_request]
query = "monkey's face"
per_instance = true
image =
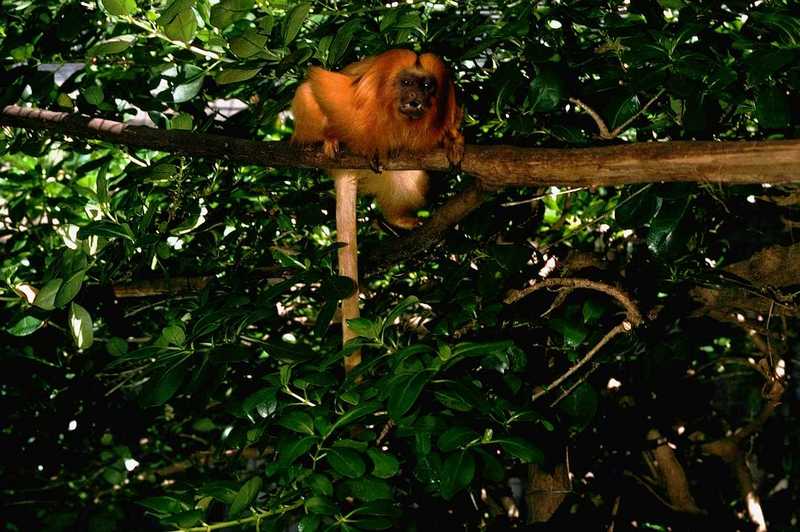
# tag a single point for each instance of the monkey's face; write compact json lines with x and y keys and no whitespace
{"x":416,"y":89}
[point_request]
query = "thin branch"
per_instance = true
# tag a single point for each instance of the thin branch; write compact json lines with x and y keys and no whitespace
{"x":623,"y":327}
{"x":604,"y":133}
{"x":632,"y":311}
{"x":601,"y":124}
{"x":633,"y":319}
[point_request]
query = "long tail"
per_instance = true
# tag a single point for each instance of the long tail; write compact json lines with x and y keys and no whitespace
{"x":346,"y":184}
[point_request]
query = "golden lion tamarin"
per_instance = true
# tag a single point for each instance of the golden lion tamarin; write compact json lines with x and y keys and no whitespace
{"x":398,"y":101}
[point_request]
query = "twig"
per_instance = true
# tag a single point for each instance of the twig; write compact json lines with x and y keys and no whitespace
{"x":633,"y":319}
{"x":633,"y":314}
{"x":542,"y":196}
{"x":623,"y":327}
{"x":605,"y":134}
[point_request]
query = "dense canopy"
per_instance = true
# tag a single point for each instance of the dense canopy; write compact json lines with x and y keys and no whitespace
{"x":536,"y":356}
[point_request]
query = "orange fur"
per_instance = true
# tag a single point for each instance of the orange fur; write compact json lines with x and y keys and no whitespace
{"x":358,"y":107}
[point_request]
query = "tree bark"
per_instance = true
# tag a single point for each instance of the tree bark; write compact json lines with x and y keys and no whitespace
{"x":775,"y":161}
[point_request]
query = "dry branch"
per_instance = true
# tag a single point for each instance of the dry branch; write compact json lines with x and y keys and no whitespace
{"x":633,"y":318}
{"x":495,"y":166}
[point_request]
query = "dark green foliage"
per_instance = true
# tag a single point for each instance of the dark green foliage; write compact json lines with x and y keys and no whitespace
{"x":218,"y":395}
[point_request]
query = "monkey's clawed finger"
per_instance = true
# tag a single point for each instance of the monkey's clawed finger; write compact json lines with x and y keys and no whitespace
{"x":455,"y":154}
{"x":375,"y":164}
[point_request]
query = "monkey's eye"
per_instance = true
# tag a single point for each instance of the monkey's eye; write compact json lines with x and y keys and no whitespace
{"x":405,"y":82}
{"x":427,"y":84}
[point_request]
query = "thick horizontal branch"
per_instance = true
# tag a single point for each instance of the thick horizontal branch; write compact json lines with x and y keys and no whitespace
{"x":494,"y":166}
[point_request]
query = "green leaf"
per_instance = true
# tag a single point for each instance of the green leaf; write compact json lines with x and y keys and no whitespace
{"x":772,"y":108}
{"x":181,"y":121}
{"x":185,"y":92}
{"x":346,"y":462}
{"x":320,"y":484}
{"x":384,"y":465}
{"x":492,"y":469}
{"x":763,"y":63}
{"x":293,"y":22}
{"x":111,"y":46}
{"x":46,"y":297}
{"x":69,"y":289}
{"x":163,"y":505}
{"x":25,"y":326}
{"x":366,"y":489}
{"x":456,"y":437}
{"x":178,"y":21}
{"x":355,"y":414}
{"x":522,"y":449}
{"x":108,"y":229}
{"x":471,"y":349}
{"x":250,"y":44}
{"x":113,"y":476}
{"x":204,"y":424}
{"x":574,"y":332}
{"x":342,"y":40}
{"x":174,"y":335}
{"x":234,"y":75}
{"x":162,"y":386}
{"x":264,"y":402}
{"x":545,"y":91}
{"x":116,"y":346}
{"x":291,"y":449}
{"x":580,"y":405}
{"x":80,"y":325}
{"x":93,"y":94}
{"x":405,"y":390}
{"x":457,"y":472}
{"x":245,"y":496}
{"x":186,"y":519}
{"x":663,"y":236}
{"x":309,"y":523}
{"x":454,"y":400}
{"x":592,"y":310}
{"x":320,"y":505}
{"x":120,"y":7}
{"x":229,"y":11}
{"x":297,"y":421}
{"x":364,"y":327}
{"x":638,"y":210}
{"x":398,"y":311}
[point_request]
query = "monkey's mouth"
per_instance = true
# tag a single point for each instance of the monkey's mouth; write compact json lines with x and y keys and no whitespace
{"x":412,"y":110}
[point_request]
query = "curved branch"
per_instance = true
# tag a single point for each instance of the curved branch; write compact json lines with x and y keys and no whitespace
{"x":631,"y":310}
{"x":633,"y":318}
{"x":775,"y":161}
{"x":427,"y":235}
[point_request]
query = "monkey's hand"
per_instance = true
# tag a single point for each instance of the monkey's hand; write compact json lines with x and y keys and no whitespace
{"x":331,"y":148}
{"x":375,"y":163}
{"x":454,"y":144}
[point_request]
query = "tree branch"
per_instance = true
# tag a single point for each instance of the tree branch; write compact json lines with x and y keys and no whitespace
{"x":775,"y":161}
{"x":427,"y":235}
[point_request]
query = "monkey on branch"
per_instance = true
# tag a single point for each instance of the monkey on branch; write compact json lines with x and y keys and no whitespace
{"x":395,"y":102}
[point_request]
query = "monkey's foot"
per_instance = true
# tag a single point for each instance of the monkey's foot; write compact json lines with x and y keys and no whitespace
{"x":331,"y":148}
{"x":375,"y":164}
{"x":455,"y":152}
{"x":404,"y":222}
